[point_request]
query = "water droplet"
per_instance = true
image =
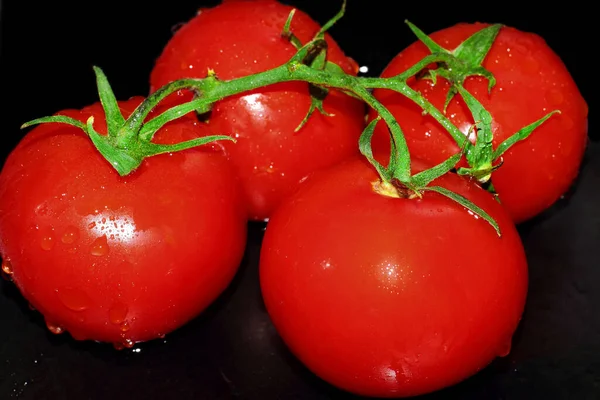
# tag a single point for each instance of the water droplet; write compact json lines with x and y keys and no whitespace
{"x":124,"y":326}
{"x":52,"y":327}
{"x":47,"y":242}
{"x":161,"y":336}
{"x":7,"y":267}
{"x":70,"y":235}
{"x":100,"y":246}
{"x":118,"y":313}
{"x":128,"y":343}
{"x":31,"y":307}
{"x":91,"y":225}
{"x":73,"y":298}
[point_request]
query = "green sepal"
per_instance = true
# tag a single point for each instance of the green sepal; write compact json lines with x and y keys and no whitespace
{"x":470,"y":52}
{"x":424,"y":178}
{"x":287,"y":34}
{"x":127,"y":142}
{"x":148,"y":130}
{"x":483,"y":152}
{"x":468,"y":204}
{"x":122,"y":160}
{"x":114,"y":117}
{"x":482,"y":174}
{"x":55,"y":118}
{"x":316,"y":60}
{"x":364,"y":145}
{"x":521,"y":134}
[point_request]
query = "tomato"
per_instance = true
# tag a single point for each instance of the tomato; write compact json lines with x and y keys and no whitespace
{"x":531,"y":81}
{"x":390,"y":297}
{"x":239,"y":38}
{"x":118,"y":259}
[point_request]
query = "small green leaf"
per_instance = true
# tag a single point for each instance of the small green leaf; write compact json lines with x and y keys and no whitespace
{"x":307,"y":53}
{"x":482,"y":174}
{"x":423,"y":178}
{"x":483,"y":123}
{"x":364,"y":144}
{"x":522,"y":134}
{"x":333,"y":68}
{"x":287,"y":33}
{"x":147,"y":131}
{"x":333,"y":20}
{"x":317,"y":95}
{"x":427,"y":41}
{"x":55,"y":118}
{"x":122,"y":160}
{"x":471,"y":53}
{"x":153,"y":149}
{"x":467,"y":204}
{"x":474,"y":50}
{"x":451,"y":92}
{"x":114,"y":118}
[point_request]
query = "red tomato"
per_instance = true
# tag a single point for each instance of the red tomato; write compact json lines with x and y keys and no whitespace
{"x":118,"y":259}
{"x":239,"y":38}
{"x":531,"y":81}
{"x":391,"y":297}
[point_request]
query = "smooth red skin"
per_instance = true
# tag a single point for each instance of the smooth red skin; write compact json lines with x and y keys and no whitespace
{"x":240,"y":38}
{"x":531,"y":81}
{"x":179,"y":231}
{"x":391,"y":297}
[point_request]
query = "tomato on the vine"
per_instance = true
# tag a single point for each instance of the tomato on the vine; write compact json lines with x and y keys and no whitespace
{"x":239,"y":38}
{"x":118,"y":259}
{"x":386,"y":296}
{"x":531,"y":81}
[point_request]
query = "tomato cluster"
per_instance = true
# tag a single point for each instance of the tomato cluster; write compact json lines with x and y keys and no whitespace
{"x":121,"y":229}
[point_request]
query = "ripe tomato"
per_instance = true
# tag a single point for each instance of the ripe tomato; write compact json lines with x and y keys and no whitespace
{"x":391,"y":297}
{"x":118,"y":259}
{"x":239,"y":38}
{"x":531,"y":82}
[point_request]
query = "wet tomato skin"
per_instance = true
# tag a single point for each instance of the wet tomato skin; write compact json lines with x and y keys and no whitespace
{"x":532,"y":81}
{"x":118,"y":259}
{"x":239,"y":38}
{"x":390,"y":297}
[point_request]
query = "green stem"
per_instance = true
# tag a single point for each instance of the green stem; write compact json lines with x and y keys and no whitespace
{"x":294,"y":70}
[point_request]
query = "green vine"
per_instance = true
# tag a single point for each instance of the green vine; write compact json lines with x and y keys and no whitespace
{"x":129,"y":141}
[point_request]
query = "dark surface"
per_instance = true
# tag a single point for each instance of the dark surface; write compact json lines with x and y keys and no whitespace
{"x":232,"y":350}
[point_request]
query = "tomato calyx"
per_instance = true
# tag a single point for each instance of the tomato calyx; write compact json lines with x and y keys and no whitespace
{"x":397,"y":181}
{"x":394,"y":189}
{"x":470,"y":53}
{"x":128,"y":142}
{"x":482,"y":158}
{"x":315,"y":58}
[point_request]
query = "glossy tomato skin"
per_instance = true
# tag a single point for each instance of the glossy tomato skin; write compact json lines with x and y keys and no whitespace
{"x":531,"y":81}
{"x":391,"y":297}
{"x":118,"y":259}
{"x":239,"y":38}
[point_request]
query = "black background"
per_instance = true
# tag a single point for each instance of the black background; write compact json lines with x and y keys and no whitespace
{"x":232,"y":351}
